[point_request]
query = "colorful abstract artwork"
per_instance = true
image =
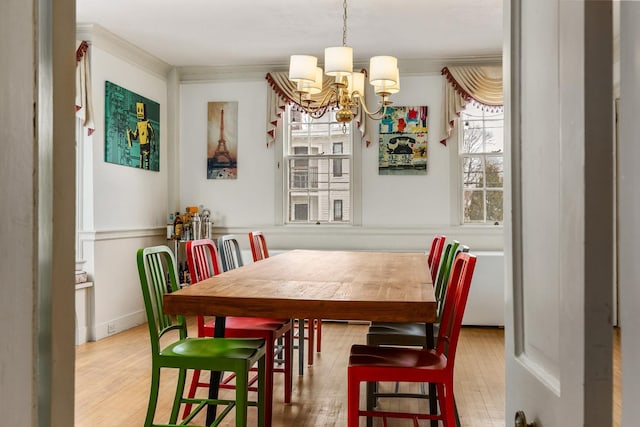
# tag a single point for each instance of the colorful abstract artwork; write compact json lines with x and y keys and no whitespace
{"x":403,"y":141}
{"x":132,"y":129}
{"x":222,"y":140}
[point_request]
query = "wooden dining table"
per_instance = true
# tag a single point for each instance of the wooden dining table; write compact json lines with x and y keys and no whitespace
{"x":315,"y":284}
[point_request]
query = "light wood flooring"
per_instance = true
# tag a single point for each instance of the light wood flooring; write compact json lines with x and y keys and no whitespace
{"x":112,"y":382}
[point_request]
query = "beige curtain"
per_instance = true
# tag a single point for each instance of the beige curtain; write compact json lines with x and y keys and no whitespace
{"x":481,"y":84}
{"x":84,"y":104}
{"x":283,"y":92}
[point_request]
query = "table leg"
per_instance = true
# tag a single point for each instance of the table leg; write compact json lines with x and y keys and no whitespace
{"x":433,"y":400}
{"x":214,"y":381}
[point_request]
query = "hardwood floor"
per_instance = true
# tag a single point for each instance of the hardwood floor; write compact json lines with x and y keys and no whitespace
{"x":112,"y":381}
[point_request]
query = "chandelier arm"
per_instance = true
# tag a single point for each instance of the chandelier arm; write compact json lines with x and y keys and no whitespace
{"x":376,"y":115}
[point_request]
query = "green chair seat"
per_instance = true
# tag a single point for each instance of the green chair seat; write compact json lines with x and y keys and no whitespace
{"x":213,"y":354}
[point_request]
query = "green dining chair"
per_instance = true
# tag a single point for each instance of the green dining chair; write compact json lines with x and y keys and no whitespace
{"x":156,"y":268}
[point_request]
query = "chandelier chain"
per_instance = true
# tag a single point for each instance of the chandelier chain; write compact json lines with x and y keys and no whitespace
{"x":344,"y":22}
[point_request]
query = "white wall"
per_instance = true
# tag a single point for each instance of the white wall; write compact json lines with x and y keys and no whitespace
{"x":406,"y":201}
{"x":398,"y":212}
{"x":123,"y":207}
{"x":248,"y":200}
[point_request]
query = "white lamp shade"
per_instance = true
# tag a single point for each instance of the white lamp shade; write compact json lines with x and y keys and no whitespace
{"x":302,"y":68}
{"x":383,"y":70}
{"x":338,"y":61}
{"x":312,"y":88}
{"x":389,"y":89}
{"x":356,"y":83}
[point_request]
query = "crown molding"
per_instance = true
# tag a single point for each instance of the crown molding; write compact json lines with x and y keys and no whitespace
{"x":201,"y":74}
{"x":100,"y":37}
{"x":408,"y":67}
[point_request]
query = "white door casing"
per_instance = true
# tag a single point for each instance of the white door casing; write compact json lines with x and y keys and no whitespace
{"x":558,"y":90}
{"x":629,"y":209}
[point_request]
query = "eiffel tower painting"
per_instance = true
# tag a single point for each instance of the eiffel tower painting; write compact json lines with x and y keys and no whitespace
{"x":222,"y":145}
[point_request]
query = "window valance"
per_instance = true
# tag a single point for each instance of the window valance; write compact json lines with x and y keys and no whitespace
{"x":481,"y":84}
{"x":283,"y":92}
{"x":84,"y":105}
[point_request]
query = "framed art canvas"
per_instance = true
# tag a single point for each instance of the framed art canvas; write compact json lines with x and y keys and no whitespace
{"x":132,"y":129}
{"x":403,"y":141}
{"x":222,"y":140}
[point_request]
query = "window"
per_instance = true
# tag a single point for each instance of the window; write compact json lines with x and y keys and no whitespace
{"x":337,"y":163}
{"x":481,"y":148}
{"x":317,"y":154}
{"x":337,"y":210}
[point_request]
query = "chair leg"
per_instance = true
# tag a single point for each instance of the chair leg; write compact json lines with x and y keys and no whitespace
{"x":372,"y":388}
{"x":153,"y":397}
{"x":319,"y":335}
{"x":195,"y":379}
{"x":262,"y":392}
{"x":300,"y":346}
{"x":182,"y":375}
{"x":242,"y":397}
{"x":288,"y":365}
{"x":450,"y":405}
{"x":268,"y":383}
{"x":311,"y":341}
{"x":353,"y":398}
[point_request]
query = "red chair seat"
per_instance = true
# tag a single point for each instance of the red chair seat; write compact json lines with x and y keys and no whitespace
{"x":374,"y":357}
{"x":241,"y":323}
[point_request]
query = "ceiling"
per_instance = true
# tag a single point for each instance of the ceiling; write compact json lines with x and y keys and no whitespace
{"x":239,"y":33}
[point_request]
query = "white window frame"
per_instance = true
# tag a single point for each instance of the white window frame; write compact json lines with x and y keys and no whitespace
{"x":458,"y":181}
{"x":281,"y":179}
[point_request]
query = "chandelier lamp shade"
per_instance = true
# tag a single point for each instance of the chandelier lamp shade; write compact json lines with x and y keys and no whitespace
{"x":347,"y":93}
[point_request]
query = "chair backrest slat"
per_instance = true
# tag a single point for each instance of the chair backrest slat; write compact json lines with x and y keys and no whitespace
{"x":156,"y":265}
{"x":435,"y":253}
{"x":230,"y":254}
{"x":455,"y":303}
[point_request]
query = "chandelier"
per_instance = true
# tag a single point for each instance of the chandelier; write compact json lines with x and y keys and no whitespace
{"x":347,"y":92}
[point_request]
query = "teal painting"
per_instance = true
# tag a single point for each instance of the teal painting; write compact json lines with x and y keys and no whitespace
{"x":132,"y":129}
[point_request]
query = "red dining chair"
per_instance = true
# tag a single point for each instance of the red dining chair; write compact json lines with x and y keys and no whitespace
{"x":203,"y":262}
{"x":435,"y":253}
{"x":416,"y":365}
{"x":314,"y":326}
{"x":412,"y":334}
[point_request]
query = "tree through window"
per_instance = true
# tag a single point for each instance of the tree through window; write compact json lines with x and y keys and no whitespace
{"x":481,"y":149}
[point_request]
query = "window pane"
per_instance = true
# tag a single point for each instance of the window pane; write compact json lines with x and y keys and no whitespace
{"x":337,"y":210}
{"x":494,"y":171}
{"x":337,"y":167}
{"x":494,"y":206}
{"x":494,"y":136}
{"x":473,"y":206}
{"x":473,"y":137}
{"x":301,"y":212}
{"x":472,"y":172}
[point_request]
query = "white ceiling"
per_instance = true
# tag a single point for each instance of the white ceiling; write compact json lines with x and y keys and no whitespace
{"x":265,"y":32}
